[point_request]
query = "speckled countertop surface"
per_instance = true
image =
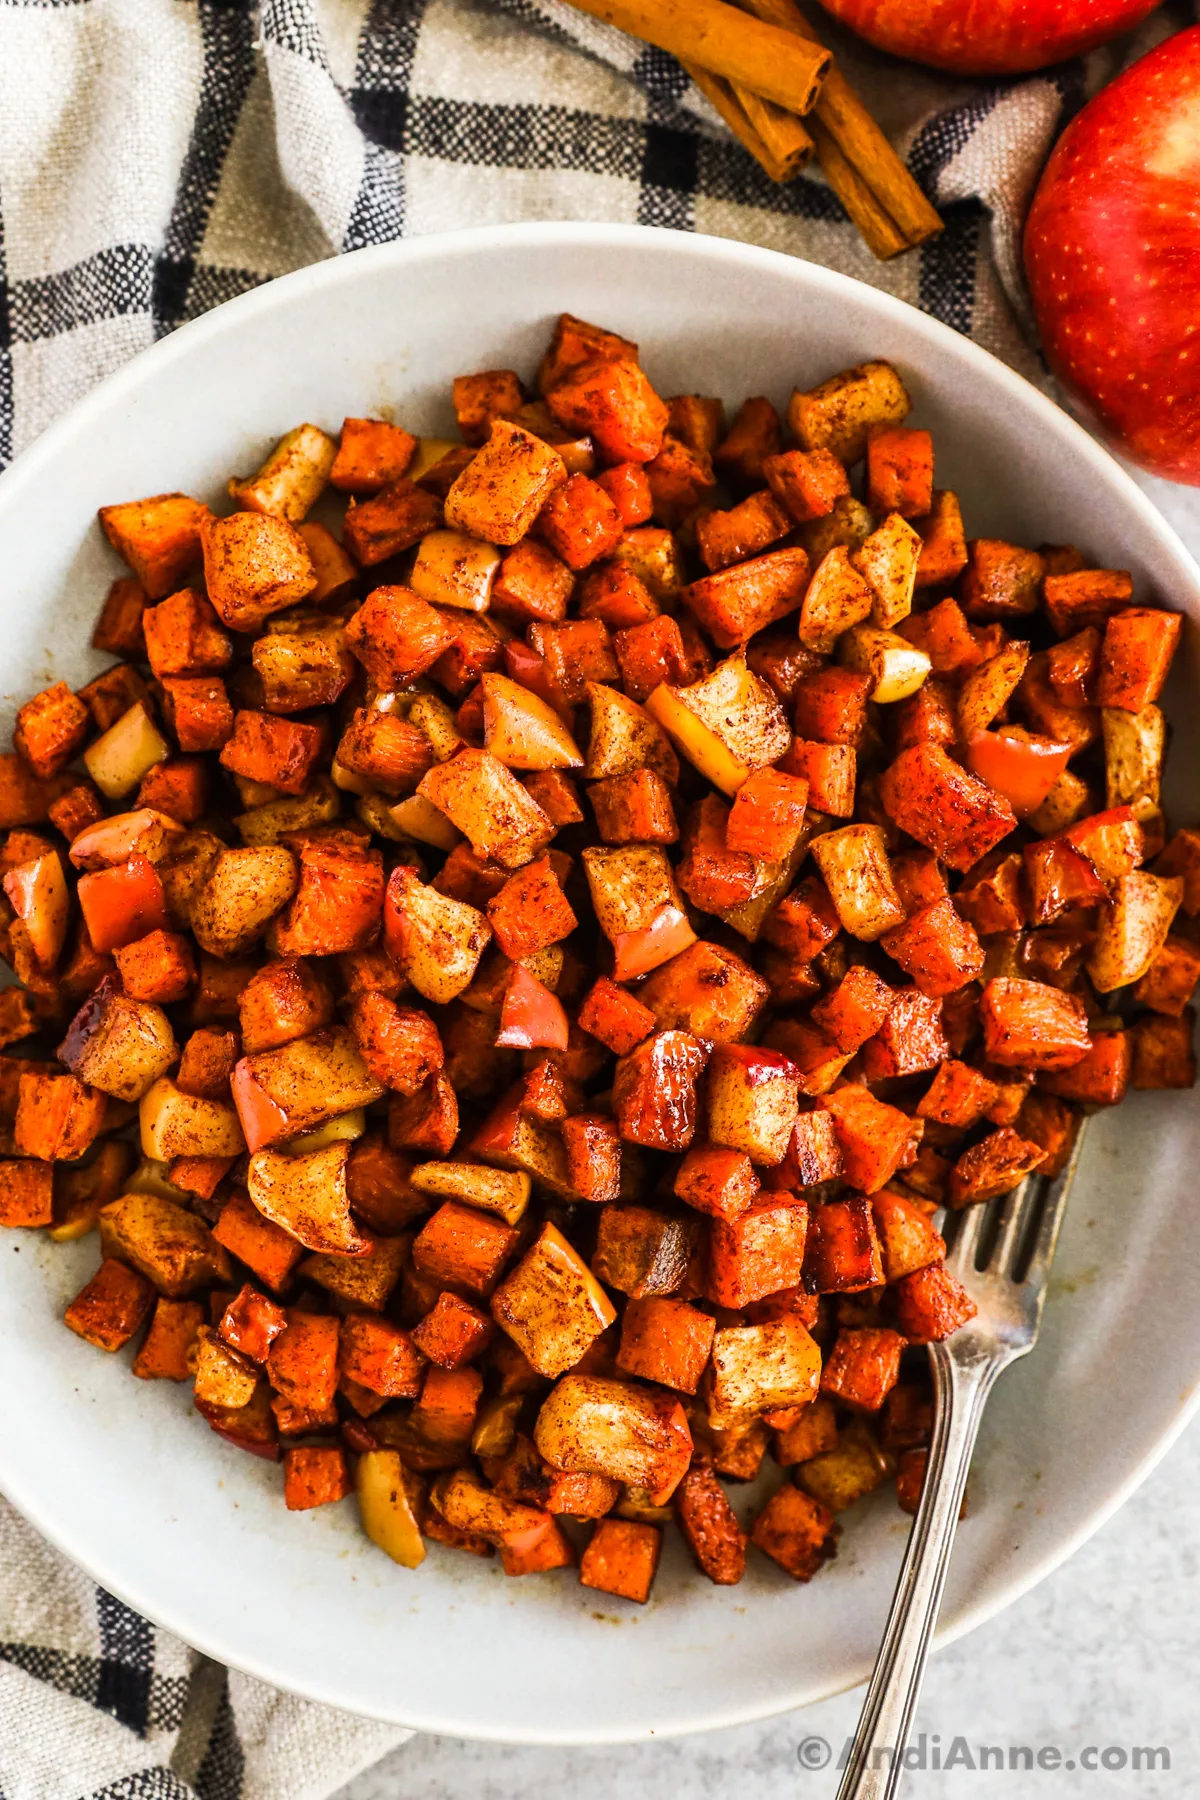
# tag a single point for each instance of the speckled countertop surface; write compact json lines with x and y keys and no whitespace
{"x":1095,"y":1665}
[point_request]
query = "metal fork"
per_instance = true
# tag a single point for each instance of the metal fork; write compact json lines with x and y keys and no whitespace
{"x":1010,"y":1291}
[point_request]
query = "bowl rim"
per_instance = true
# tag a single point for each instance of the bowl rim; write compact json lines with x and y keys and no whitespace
{"x":278,"y":294}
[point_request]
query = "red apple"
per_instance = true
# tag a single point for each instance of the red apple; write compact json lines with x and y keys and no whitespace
{"x":1112,"y":252}
{"x":988,"y":37}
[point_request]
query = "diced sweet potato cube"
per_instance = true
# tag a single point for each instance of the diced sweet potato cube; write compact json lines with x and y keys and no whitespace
{"x":948,"y":810}
{"x":958,"y":1096}
{"x":1101,"y":1077}
{"x":532,"y":583}
{"x":854,"y":1010}
{"x":278,"y":752}
{"x":159,"y":967}
{"x":388,"y":753}
{"x":1001,"y":581}
{"x":993,"y":1167}
{"x":642,"y":1252}
{"x":1163,"y":1056}
{"x":937,"y":947}
{"x":875,"y":1138}
{"x":198,"y":711}
{"x":180,"y":789}
{"x":767,"y":815}
{"x":166,"y":1350}
{"x":427,"y":1120}
{"x":453,"y":1333}
{"x":159,"y":538}
{"x":593,"y":1151}
{"x":717,"y":1181}
{"x":57,"y":1117}
{"x":621,"y":1559}
{"x":795,"y":1531}
{"x":1182,"y":858}
{"x":726,"y":538}
{"x":1029,"y":1025}
{"x":629,"y":490}
{"x":530,"y":911}
{"x":615,"y":1016}
{"x":930,"y":1304}
{"x":119,"y":627}
{"x":1170,"y":981}
{"x":1080,"y":598}
{"x":1139,"y":643}
{"x":251,"y":1323}
{"x":615,"y":595}
{"x":634,"y":809}
{"x":400,"y":1045}
{"x":842,"y":1253}
{"x":649,"y":654}
{"x":183,"y":636}
{"x":380,"y":1356}
{"x":26,"y":1193}
{"x":371,"y":455}
{"x":811,"y":1431}
{"x":51,"y":729}
{"x":112,"y":1307}
{"x":907,"y":1239}
{"x":681,"y":480}
{"x":665,"y":1341}
{"x":337,"y":905}
{"x":397,"y":636}
{"x":615,"y":404}
{"x":462,"y":1247}
{"x":314,"y":1475}
{"x":713,"y":874}
{"x":392,"y":520}
{"x":757,"y":1253}
{"x":813,"y":1155}
{"x":863,"y":1368}
{"x":710,"y":1526}
{"x":580,"y":523}
{"x":654,"y":1090}
{"x":735,"y":603}
{"x":265,"y":1248}
{"x":900,"y":471}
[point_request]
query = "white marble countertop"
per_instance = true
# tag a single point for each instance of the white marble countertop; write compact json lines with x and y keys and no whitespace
{"x":1101,"y":1655}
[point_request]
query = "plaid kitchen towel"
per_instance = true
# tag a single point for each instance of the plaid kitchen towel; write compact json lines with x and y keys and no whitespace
{"x":159,"y":156}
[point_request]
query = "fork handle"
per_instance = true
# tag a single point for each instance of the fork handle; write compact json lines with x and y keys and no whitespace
{"x":873,"y":1769}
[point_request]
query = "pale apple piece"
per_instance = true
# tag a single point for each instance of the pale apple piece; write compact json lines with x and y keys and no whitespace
{"x":436,"y":939}
{"x":1134,"y":748}
{"x":430,"y":451}
{"x":465,"y":1502}
{"x":267,"y":823}
{"x":855,"y":868}
{"x":1133,"y":928}
{"x":126,"y":752}
{"x":419,"y":819}
{"x":624,"y":738}
{"x":630,"y":884}
{"x":496,"y":1425}
{"x":306,"y":1196}
{"x":453,"y":569}
{"x":283,"y":1093}
{"x":173,"y":1123}
{"x":727,"y":724}
{"x":118,"y":1045}
{"x":38,"y":894}
{"x":389,"y":1498}
{"x":111,"y":841}
{"x":292,"y":479}
{"x":836,"y":598}
{"x":752,"y":1097}
{"x":245,"y":890}
{"x":760,"y":1368}
{"x":1068,"y":800}
{"x":598,"y":1426}
{"x":895,"y":667}
{"x":223,"y":1376}
{"x":522,"y":730}
{"x":484,"y":799}
{"x":655,"y":557}
{"x":551,"y":1305}
{"x":347,"y":1128}
{"x":502,"y":1191}
{"x":887,"y":561}
{"x":838,"y":415}
{"x":432,"y":716}
{"x":986,"y":690}
{"x":849,"y":524}
{"x":150,"y":1177}
{"x":167,"y":1244}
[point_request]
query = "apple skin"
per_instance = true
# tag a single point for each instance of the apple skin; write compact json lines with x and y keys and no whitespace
{"x":988,"y":37}
{"x":1112,"y":255}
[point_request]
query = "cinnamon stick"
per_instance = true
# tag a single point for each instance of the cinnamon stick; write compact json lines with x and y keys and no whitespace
{"x":728,"y":102}
{"x":786,"y":137}
{"x":781,"y":65}
{"x":858,"y":162}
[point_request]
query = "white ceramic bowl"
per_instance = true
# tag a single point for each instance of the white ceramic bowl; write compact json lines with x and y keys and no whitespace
{"x":124,"y":1477}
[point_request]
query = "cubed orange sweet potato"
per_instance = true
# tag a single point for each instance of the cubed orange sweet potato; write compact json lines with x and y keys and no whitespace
{"x":462,"y":1247}
{"x":909,"y":1041}
{"x":198,"y":711}
{"x":397,"y":636}
{"x":266,"y":1249}
{"x":796,"y":1531}
{"x":1170,"y":981}
{"x":1072,"y":667}
{"x":830,"y":706}
{"x":380,"y":1356}
{"x":378,"y":1186}
{"x":283,"y":1000}
{"x":302,"y":1363}
{"x":1029,"y":1025}
{"x":927,"y":717}
{"x":57,"y":1117}
{"x":717,"y":1181}
{"x":634,"y":809}
{"x":937,"y":947}
{"x":119,"y":627}
{"x":338,"y":904}
{"x":948,"y":810}
{"x":1163,"y":1054}
{"x":159,"y":538}
{"x":754,"y":436}
{"x":767,"y":815}
{"x":842,"y":1254}
{"x":453,"y":1333}
{"x":735,"y":603}
{"x":709,"y":1524}
{"x":654,"y":1090}
{"x":207,"y":1064}
{"x":1001,"y":581}
{"x":613,"y":593}
{"x":807,"y":483}
{"x":622,"y":1558}
{"x":813,"y":1155}
{"x":758,"y":1252}
{"x":930,"y":1304}
{"x":384,"y":750}
{"x":158,"y":967}
{"x":1098,"y":1079}
{"x":804,"y":921}
{"x":426,"y":1120}
{"x":747,"y":529}
{"x":1139,"y":643}
{"x":166,"y":1350}
{"x":862,"y":1368}
{"x":875,"y":1139}
{"x":615,"y":403}
{"x":855,"y":1009}
{"x":371,"y":455}
{"x":112,"y":1307}
{"x":51,"y":729}
{"x":251,"y":1323}
{"x":392,"y":520}
{"x":279,"y":752}
{"x":580,"y":523}
{"x":184,"y":637}
{"x":1079,"y":598}
{"x":943,"y":634}
{"x":532,"y":583}
{"x":400,"y":1045}
{"x":530,"y":911}
{"x":445,"y":1413}
{"x":712,"y":873}
{"x":900,"y":471}
{"x":681,"y":480}
{"x":666,"y":1341}
{"x":615,"y":1016}
{"x":314,"y":1475}
{"x":179,"y":788}
{"x":958,"y":1096}
{"x":651,"y":653}
{"x":999,"y":1163}
{"x":593,"y":1153}
{"x":26,"y":1193}
{"x":628,"y":488}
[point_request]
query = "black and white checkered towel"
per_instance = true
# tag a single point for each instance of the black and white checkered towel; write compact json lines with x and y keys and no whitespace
{"x":160,"y":156}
